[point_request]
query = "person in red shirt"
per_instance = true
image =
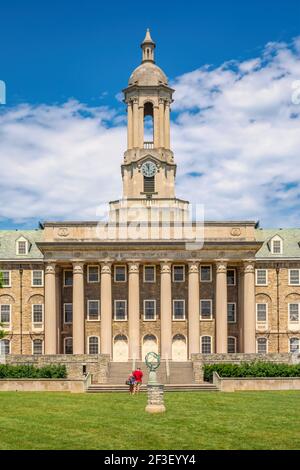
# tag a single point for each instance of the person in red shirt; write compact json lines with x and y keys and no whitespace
{"x":138,"y":375}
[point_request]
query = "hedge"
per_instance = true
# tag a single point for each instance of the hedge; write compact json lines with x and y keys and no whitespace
{"x":31,"y":372}
{"x":251,"y":369}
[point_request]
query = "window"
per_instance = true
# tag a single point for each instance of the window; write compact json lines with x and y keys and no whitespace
{"x":262,"y":345}
{"x":93,"y":309}
{"x":37,"y":278}
{"x":92,"y":274}
{"x":294,"y":345}
{"x":120,"y":310}
{"x":206,"y":309}
{"x":231,"y":277}
{"x":93,"y":345}
{"x":149,"y":273}
{"x":68,"y":313}
{"x":5,"y":313}
{"x":178,"y":273}
{"x":4,"y":346}
{"x":261,"y":277}
{"x":231,"y":312}
{"x":149,"y":309}
{"x":178,"y":310}
{"x":37,"y":346}
{"x":149,"y":184}
{"x":37,"y":313}
{"x":231,"y":345}
{"x":276,"y":246}
{"x":69,"y":345}
{"x":68,"y":278}
{"x":294,"y":277}
{"x":6,"y":278}
{"x":22,"y":247}
{"x":205,"y":274}
{"x":120,"y":273}
{"x":206,"y":344}
{"x":261,"y":313}
{"x":294,"y":313}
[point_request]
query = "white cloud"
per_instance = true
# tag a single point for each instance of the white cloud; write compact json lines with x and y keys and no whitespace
{"x":235,"y":136}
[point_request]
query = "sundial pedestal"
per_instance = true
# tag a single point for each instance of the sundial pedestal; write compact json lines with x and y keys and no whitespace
{"x":155,"y":398}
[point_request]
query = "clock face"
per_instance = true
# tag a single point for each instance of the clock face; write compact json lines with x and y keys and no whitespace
{"x":148,"y":169}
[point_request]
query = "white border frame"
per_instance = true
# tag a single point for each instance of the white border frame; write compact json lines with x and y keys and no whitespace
{"x":115,"y":272}
{"x":173,"y":269}
{"x":88,"y":311}
{"x":88,"y":344}
{"x":234,"y":283}
{"x":276,"y":238}
{"x":294,"y":269}
{"x":149,"y":266}
{"x":43,"y":316}
{"x":7,"y":326}
{"x":267,"y":344}
{"x":289,"y":343}
{"x":32,"y":346}
{"x":64,"y":277}
{"x":210,"y":271}
{"x":9,"y":345}
{"x":22,"y":240}
{"x":232,"y":303}
{"x":235,"y":344}
{"x":173,"y":310}
{"x":64,"y":312}
{"x":34,"y":270}
{"x":211,"y":344}
{"x":9,"y":274}
{"x":267,"y":277}
{"x":155,"y":313}
{"x":126,"y":312}
{"x":65,"y":339}
{"x":211,"y":310}
{"x":262,"y":323}
{"x":293,"y":322}
{"x":88,"y":273}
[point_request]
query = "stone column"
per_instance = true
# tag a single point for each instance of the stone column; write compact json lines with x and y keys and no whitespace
{"x":167,"y":125}
{"x":141,"y":136}
{"x":135,"y":122}
{"x":249,"y":307}
{"x":50,"y":310}
{"x":58,"y":281}
{"x":106,"y":309}
{"x":129,"y":125}
{"x":194,"y":309}
{"x":241,"y":309}
{"x":156,"y":126}
{"x":78,"y":308}
{"x":161,"y":123}
{"x":166,"y":310}
{"x":221,"y":307}
{"x":134,"y":310}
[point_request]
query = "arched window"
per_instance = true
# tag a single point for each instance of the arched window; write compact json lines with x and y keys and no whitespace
{"x":93,"y":345}
{"x":206,"y":344}
{"x":148,"y":125}
{"x":149,"y":338}
{"x":69,"y":345}
{"x":37,"y":346}
{"x":120,"y":338}
{"x":5,"y":347}
{"x":294,"y":345}
{"x":262,"y":345}
{"x":231,"y":345}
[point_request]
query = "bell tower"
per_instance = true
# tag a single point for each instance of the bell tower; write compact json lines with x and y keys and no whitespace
{"x":148,"y":169}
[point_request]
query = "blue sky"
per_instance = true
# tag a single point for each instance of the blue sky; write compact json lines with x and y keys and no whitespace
{"x":65,"y":63}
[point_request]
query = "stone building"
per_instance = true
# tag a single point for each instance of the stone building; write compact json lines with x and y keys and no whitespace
{"x":150,"y":278}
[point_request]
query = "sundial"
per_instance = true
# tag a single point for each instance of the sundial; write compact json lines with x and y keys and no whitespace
{"x":152,"y":361}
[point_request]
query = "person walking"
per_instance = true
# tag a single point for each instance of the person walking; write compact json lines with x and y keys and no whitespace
{"x":138,"y":376}
{"x":131,"y":382}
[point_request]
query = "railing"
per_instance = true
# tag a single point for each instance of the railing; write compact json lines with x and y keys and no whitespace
{"x":148,"y":145}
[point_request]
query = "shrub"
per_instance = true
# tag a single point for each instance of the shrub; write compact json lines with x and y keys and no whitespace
{"x":251,"y":369}
{"x":8,"y":371}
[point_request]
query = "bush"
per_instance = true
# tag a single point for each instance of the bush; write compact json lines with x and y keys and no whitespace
{"x":251,"y":369}
{"x":8,"y":371}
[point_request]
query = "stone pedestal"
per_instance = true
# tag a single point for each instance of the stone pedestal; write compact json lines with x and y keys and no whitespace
{"x":155,"y":399}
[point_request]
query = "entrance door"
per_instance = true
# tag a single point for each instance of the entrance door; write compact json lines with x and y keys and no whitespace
{"x":179,"y":348}
{"x":120,"y":349}
{"x":149,"y":345}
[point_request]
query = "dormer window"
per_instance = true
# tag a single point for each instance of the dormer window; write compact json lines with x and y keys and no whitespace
{"x":22,"y":246}
{"x":276,"y":246}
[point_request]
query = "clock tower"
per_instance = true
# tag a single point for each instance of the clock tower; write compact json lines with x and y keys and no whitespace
{"x":148,"y":169}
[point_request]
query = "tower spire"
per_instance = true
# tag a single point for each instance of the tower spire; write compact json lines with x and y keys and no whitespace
{"x":148,"y":46}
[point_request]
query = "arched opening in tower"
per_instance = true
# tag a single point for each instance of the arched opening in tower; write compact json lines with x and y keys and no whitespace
{"x":148,"y":125}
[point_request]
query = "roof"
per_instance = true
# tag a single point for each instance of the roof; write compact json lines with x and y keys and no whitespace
{"x":148,"y":74}
{"x":8,"y":240}
{"x":291,"y":241}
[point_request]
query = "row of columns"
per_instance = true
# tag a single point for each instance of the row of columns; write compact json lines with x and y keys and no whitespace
{"x":248,"y":310}
{"x":161,"y":124}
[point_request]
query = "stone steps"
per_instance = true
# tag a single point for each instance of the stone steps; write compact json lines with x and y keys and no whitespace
{"x":204,"y":387}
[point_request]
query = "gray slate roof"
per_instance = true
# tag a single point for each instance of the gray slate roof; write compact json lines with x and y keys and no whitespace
{"x":8,"y":240}
{"x":291,"y":240}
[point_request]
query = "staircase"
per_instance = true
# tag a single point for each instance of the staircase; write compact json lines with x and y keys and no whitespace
{"x":176,"y":376}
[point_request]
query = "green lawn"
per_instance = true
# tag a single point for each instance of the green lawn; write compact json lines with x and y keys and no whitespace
{"x":245,"y":420}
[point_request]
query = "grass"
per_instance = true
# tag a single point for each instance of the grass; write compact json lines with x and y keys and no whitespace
{"x":244,"y":420}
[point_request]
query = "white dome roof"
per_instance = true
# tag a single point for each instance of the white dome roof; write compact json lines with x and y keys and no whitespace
{"x":148,"y":74}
